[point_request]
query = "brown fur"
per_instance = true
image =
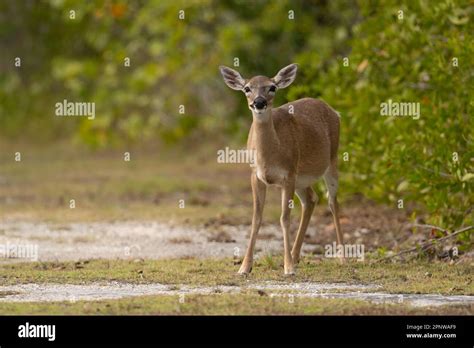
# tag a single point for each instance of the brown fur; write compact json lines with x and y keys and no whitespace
{"x":308,"y":134}
{"x":293,"y":150}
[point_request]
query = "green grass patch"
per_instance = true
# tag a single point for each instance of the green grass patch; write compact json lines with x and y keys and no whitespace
{"x":225,"y":304}
{"x":105,"y":187}
{"x":414,"y":277}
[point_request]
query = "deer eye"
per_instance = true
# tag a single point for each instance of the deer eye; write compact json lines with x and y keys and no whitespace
{"x":247,"y":89}
{"x":272,"y":89}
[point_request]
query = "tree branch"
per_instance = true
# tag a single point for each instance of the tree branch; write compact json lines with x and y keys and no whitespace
{"x":431,"y":241}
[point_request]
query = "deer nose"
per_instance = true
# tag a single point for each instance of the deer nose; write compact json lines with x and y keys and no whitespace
{"x":260,"y":103}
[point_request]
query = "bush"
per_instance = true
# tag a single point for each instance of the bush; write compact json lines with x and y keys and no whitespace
{"x":407,"y":56}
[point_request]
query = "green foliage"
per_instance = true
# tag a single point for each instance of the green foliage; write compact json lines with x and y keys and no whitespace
{"x":173,"y":62}
{"x":406,"y":60}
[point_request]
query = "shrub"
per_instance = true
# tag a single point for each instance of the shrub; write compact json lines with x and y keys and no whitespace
{"x":423,"y":55}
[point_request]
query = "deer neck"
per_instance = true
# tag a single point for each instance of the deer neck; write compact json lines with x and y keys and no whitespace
{"x":265,"y":139}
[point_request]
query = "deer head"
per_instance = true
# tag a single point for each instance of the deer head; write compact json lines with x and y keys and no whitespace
{"x":259,"y":90}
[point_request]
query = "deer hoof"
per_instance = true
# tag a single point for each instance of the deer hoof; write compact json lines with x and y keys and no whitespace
{"x":244,"y":272}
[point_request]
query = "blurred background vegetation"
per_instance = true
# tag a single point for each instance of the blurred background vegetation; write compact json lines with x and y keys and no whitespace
{"x":174,"y":62}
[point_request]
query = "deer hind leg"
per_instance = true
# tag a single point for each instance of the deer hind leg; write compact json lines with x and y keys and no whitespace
{"x":331,"y":180}
{"x":259,"y":190}
{"x":308,"y":201}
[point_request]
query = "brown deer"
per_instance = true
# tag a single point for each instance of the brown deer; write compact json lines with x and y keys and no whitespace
{"x":295,"y":144}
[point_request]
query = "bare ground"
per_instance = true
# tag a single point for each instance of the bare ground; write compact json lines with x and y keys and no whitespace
{"x":371,"y":225}
{"x":130,"y":239}
{"x":117,"y":290}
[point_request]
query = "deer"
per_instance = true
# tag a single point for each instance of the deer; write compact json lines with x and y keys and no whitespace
{"x":295,"y":145}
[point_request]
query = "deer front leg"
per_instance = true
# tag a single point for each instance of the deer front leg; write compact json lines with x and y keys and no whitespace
{"x":287,"y":193}
{"x":259,"y":190}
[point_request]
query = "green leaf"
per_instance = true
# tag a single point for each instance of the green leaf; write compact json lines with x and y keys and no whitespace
{"x":403,"y":186}
{"x":467,"y":177}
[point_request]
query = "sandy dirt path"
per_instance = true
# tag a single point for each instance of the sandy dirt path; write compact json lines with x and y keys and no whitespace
{"x":129,"y":239}
{"x":153,"y":240}
{"x":117,"y":290}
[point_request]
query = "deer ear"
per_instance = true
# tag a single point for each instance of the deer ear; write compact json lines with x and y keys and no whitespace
{"x":286,"y":76}
{"x":232,"y":78}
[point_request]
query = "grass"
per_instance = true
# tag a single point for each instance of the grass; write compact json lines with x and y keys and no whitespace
{"x":415,"y":277}
{"x":149,"y":187}
{"x":225,"y":304}
{"x":105,"y":187}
